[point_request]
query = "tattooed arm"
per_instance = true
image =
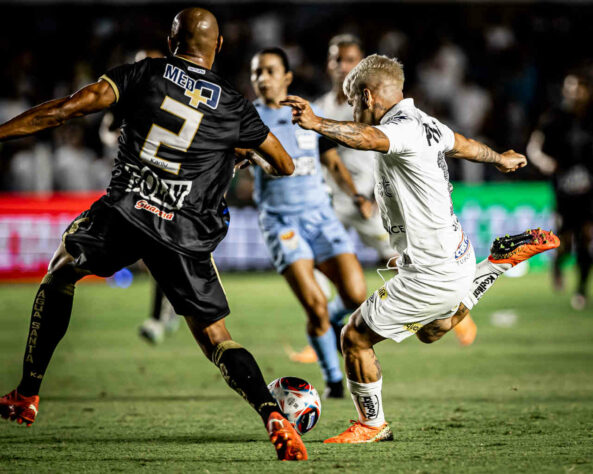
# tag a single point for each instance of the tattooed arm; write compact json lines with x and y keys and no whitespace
{"x":473,"y":150}
{"x":350,"y":134}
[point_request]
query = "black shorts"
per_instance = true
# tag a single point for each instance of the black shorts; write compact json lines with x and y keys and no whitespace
{"x":102,"y":241}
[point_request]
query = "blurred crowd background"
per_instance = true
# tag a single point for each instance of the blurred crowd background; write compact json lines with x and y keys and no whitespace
{"x":488,"y":71}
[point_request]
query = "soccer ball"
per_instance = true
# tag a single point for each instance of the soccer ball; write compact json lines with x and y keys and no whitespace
{"x":298,"y":401}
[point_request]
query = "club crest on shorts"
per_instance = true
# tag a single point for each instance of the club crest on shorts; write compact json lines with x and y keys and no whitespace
{"x":382,"y":292}
{"x":289,"y":239}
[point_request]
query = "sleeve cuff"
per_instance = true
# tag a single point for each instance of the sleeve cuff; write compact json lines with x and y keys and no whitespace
{"x":112,"y":84}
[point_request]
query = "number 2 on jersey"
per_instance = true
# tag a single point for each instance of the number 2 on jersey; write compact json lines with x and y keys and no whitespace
{"x":181,"y":141}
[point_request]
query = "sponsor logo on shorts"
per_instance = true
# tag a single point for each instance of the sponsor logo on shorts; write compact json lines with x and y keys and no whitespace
{"x":463,"y":247}
{"x":413,"y":327}
{"x":142,"y":204}
{"x":369,"y":405}
{"x":371,"y":299}
{"x":489,"y":278}
{"x":382,"y":292}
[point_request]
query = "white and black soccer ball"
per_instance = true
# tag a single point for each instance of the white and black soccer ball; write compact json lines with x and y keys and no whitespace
{"x":299,"y":402}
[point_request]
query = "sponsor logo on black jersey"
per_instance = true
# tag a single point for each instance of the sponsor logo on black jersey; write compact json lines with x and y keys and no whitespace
{"x":167,"y":193}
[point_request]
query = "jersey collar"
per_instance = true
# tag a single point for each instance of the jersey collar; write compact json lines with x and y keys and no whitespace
{"x":402,"y":104}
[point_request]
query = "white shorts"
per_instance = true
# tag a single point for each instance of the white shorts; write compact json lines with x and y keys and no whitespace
{"x":370,"y":231}
{"x":409,"y":301}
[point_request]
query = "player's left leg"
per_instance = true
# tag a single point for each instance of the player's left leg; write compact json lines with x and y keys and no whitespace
{"x":241,"y":372}
{"x":365,"y":380}
{"x":193,"y":286}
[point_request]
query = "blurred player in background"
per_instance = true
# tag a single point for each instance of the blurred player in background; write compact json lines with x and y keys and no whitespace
{"x":299,"y":226}
{"x":165,"y":205}
{"x":437,"y":268}
{"x":562,"y":147}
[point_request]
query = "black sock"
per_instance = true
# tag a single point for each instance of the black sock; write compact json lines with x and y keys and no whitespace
{"x":157,"y":302}
{"x":242,"y":374}
{"x":49,"y":321}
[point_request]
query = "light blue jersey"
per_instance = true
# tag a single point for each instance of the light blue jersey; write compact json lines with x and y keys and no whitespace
{"x":296,"y":217}
{"x":304,"y":189}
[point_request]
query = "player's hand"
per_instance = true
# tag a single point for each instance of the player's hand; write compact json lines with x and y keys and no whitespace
{"x":302,"y":113}
{"x":365,"y":207}
{"x":511,"y":161}
{"x":243,"y":158}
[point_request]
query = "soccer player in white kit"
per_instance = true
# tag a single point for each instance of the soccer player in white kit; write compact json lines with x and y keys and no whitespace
{"x":438,"y":281}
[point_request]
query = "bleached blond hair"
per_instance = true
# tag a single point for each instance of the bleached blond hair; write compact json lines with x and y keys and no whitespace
{"x":371,"y":70}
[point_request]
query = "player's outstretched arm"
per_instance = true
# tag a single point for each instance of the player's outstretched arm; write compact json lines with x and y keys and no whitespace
{"x":350,"y":134}
{"x":270,"y":155}
{"x":473,"y":150}
{"x":89,"y":99}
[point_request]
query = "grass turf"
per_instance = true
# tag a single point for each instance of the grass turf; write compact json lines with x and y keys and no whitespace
{"x":518,"y":400}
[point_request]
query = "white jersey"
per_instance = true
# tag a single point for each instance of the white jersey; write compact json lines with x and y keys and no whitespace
{"x":414,"y":193}
{"x":358,"y":162}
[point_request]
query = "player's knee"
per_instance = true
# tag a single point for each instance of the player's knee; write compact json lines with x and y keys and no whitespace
{"x":351,"y":339}
{"x":316,"y":308}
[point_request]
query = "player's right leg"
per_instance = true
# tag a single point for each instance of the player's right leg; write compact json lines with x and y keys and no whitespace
{"x":241,"y":372}
{"x":98,"y":242}
{"x":49,"y":321}
{"x":505,"y":253}
{"x":322,"y":338}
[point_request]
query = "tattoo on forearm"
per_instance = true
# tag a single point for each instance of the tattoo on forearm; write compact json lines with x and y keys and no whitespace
{"x":486,"y":154}
{"x":351,"y":134}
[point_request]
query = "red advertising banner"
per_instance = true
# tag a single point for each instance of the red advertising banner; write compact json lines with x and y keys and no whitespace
{"x":31,"y":226}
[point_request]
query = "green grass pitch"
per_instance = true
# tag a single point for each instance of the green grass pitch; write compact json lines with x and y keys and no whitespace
{"x":519,"y":400}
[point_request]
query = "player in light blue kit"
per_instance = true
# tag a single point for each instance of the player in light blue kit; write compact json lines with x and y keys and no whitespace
{"x":297,"y":221}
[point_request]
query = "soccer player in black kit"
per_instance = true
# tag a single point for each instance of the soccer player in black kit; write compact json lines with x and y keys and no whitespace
{"x":165,"y":205}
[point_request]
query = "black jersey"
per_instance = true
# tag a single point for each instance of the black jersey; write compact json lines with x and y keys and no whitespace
{"x":180,"y":123}
{"x":569,"y":141}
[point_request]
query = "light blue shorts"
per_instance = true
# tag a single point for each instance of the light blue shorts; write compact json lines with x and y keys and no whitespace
{"x":316,"y":234}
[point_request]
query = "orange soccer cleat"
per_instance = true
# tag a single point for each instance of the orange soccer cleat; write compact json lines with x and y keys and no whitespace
{"x":466,"y":331}
{"x":288,"y":443}
{"x":15,"y":406}
{"x":514,"y":249}
{"x":360,"y":433}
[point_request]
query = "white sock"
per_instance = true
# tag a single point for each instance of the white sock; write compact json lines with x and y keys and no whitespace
{"x":486,"y":274}
{"x":368,"y":402}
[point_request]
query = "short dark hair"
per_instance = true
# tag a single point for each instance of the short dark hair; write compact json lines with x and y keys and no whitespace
{"x":346,"y":39}
{"x":278,"y":52}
